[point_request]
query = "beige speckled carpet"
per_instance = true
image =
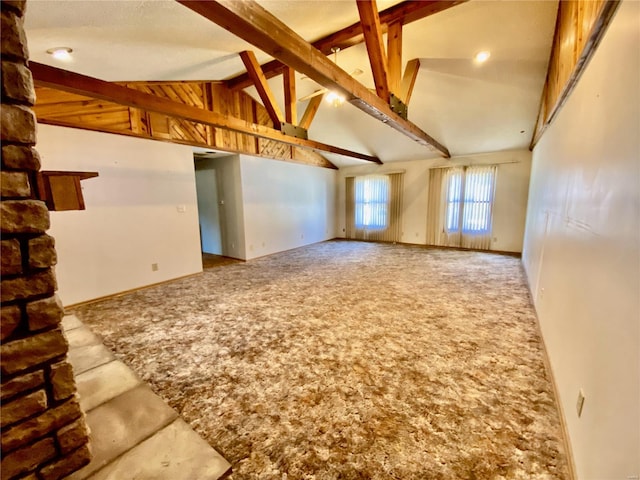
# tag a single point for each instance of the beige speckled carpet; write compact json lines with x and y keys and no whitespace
{"x":350,"y":360}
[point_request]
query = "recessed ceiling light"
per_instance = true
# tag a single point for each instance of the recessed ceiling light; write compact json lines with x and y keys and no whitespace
{"x":60,"y":53}
{"x":482,"y":57}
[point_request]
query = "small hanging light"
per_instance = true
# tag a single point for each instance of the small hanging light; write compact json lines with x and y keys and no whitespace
{"x":334,"y":98}
{"x":482,"y":57}
{"x":61,"y":53}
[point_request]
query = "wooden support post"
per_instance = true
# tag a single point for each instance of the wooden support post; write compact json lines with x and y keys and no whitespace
{"x":372,"y":31}
{"x":394,"y":55}
{"x":260,"y":81}
{"x":290,"y":101}
{"x":310,"y":111}
{"x":409,"y":80}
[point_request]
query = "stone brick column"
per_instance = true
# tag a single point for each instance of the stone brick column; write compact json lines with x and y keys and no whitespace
{"x":44,"y":435}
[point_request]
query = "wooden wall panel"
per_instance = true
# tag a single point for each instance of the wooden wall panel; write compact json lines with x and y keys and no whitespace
{"x":579,"y":26}
{"x":220,"y":104}
{"x":310,"y":157}
{"x":270,"y":148}
{"x":60,"y":108}
{"x":75,"y":109}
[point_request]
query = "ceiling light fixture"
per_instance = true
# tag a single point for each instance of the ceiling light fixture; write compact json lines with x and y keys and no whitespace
{"x":61,"y":53}
{"x":482,"y":57}
{"x":334,"y":98}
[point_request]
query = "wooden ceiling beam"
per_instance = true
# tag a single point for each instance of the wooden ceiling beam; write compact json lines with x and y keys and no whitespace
{"x":251,"y":22}
{"x":402,"y":13}
{"x":310,"y":111}
{"x":372,"y":30}
{"x":394,"y":57}
{"x":264,"y":91}
{"x":52,"y":77}
{"x":409,"y":80}
{"x":290,"y":100}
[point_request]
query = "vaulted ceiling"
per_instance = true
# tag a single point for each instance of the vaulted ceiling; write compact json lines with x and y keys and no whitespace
{"x":466,"y":106}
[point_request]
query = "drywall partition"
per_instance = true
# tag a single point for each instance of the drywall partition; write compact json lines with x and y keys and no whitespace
{"x":582,"y":253}
{"x":510,"y":204}
{"x":141,"y":213}
{"x":208,"y":206}
{"x":286,"y":205}
{"x":231,"y":206}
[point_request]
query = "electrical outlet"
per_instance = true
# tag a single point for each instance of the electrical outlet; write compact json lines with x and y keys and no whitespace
{"x":181,"y":208}
{"x":154,"y":267}
{"x":580,"y":403}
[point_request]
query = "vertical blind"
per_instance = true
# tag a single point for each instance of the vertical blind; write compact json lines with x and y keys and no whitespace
{"x":372,"y":202}
{"x":374,"y":207}
{"x":478,"y":198}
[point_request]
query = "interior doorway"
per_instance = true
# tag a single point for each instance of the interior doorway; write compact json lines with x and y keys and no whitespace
{"x":210,"y":212}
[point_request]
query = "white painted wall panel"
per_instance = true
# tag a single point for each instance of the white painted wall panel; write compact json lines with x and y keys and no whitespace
{"x":208,"y":208}
{"x":510,"y":203}
{"x":133,"y":216}
{"x":582,"y":253}
{"x":286,"y":205}
{"x":232,"y":208}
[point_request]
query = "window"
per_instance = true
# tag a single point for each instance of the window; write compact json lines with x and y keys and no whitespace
{"x":469,"y":200}
{"x":372,"y":202}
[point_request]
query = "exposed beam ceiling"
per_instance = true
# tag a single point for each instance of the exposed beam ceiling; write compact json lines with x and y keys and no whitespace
{"x":409,"y":80}
{"x":249,"y":21}
{"x":394,"y":57}
{"x":402,"y":13}
{"x":290,"y":100}
{"x":372,"y":30}
{"x":260,"y":82}
{"x":51,"y":77}
{"x":310,"y":111}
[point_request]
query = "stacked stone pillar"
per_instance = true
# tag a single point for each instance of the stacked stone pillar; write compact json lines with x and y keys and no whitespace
{"x":44,"y":435}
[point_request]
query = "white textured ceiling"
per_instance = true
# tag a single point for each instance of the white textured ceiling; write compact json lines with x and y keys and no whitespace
{"x":468,"y":108}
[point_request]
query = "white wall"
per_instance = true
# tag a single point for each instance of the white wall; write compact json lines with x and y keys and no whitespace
{"x":208,"y":208}
{"x":132,"y":218}
{"x":286,"y":205}
{"x":510,"y":204}
{"x":582,"y":253}
{"x":231,"y":208}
